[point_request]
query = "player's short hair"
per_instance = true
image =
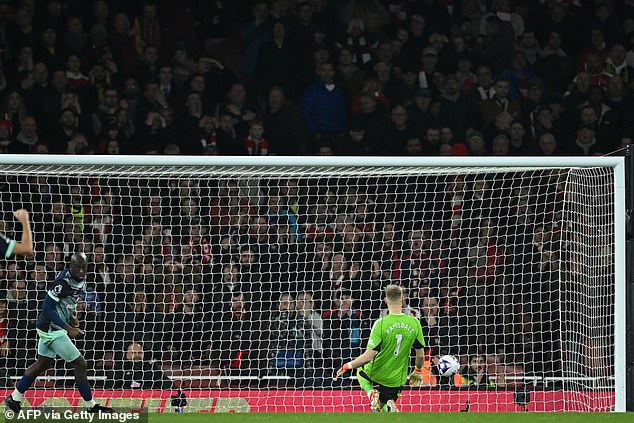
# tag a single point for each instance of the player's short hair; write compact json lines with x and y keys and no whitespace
{"x":393,"y":293}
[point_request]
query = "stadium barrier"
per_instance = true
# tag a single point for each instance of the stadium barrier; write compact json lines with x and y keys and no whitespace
{"x":244,"y":401}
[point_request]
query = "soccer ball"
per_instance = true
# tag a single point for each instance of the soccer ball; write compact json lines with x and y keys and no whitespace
{"x":448,"y":365}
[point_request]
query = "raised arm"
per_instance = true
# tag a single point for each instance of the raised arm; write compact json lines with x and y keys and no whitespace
{"x":25,"y":246}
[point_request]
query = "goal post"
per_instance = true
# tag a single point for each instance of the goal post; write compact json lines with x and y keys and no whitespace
{"x":518,"y":262}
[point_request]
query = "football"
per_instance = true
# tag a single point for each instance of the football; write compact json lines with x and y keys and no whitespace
{"x":448,"y":365}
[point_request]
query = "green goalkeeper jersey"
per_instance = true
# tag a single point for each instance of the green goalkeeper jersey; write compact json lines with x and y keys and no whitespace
{"x":393,"y":336}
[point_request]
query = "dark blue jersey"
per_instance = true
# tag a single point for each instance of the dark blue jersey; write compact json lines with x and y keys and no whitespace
{"x":6,"y":246}
{"x":60,"y":302}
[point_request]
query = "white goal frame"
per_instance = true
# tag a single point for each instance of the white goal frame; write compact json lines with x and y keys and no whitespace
{"x":325,"y":162}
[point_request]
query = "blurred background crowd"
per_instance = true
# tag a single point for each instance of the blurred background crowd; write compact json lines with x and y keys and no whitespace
{"x":351,"y":77}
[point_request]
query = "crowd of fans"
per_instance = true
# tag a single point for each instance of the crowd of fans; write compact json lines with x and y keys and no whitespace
{"x":352,"y":77}
{"x":285,"y":277}
{"x":181,"y":265}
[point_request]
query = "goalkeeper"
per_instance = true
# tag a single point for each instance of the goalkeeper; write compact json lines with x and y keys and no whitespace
{"x":56,"y":324}
{"x":385,"y":361}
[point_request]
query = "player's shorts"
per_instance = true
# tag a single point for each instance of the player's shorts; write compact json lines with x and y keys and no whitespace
{"x":386,"y":393}
{"x":57,"y":343}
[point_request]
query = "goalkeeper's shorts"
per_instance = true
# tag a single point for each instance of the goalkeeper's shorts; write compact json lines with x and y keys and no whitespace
{"x":385,"y":392}
{"x":57,"y":343}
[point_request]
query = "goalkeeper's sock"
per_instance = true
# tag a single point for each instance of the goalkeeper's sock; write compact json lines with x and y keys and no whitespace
{"x":90,"y":404}
{"x":23,"y":384}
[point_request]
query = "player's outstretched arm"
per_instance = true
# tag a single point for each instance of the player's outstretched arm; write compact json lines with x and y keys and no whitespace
{"x":416,"y":377}
{"x":25,"y":246}
{"x":366,"y":357}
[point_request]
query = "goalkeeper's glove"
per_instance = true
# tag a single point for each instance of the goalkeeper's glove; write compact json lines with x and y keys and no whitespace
{"x":342,"y":370}
{"x":416,"y":377}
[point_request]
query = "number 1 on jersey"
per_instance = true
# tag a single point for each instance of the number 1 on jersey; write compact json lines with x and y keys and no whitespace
{"x":399,"y":339}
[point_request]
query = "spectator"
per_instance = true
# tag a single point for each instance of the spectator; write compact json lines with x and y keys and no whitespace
{"x":496,"y":47}
{"x":188,"y":327}
{"x":490,"y":108}
{"x":5,"y":136}
{"x":254,"y":34}
{"x":314,"y":324}
{"x":288,"y":338}
{"x":277,"y":61}
{"x":14,"y":110}
{"x":500,"y":146}
{"x":254,"y":143}
{"x":237,"y":108}
{"x":457,"y":109}
{"x":137,"y":372}
{"x":237,"y":346}
{"x":475,"y":374}
{"x":343,"y":328}
{"x":283,"y":126}
{"x":586,"y":143}
{"x":519,"y":75}
{"x":21,"y":318}
{"x":476,"y":144}
{"x":419,"y":111}
{"x":141,"y":320}
{"x":323,"y":107}
{"x":352,"y":75}
{"x":27,"y":138}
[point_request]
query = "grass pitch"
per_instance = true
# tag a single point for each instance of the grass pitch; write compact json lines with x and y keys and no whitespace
{"x":395,"y":418}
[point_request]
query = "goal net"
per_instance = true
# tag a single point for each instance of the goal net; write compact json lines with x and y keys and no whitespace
{"x":246,"y":283}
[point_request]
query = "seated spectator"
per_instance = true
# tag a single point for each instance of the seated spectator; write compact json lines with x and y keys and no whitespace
{"x":254,"y":143}
{"x":238,"y":345}
{"x":27,"y":138}
{"x":5,"y":136}
{"x":188,"y":326}
{"x":238,"y":109}
{"x":344,"y":330}
{"x":314,"y":325}
{"x":501,"y":102}
{"x":287,"y":338}
{"x":474,"y":375}
{"x":586,"y":143}
{"x":282,"y":125}
{"x":135,"y":371}
{"x":476,"y":144}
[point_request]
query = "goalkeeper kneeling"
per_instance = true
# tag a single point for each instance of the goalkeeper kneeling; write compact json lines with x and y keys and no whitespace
{"x":384,"y":363}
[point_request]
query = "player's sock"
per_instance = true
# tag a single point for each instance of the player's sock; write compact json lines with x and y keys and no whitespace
{"x":84,"y":389}
{"x":366,"y":386}
{"x":91,"y":403}
{"x":23,"y":384}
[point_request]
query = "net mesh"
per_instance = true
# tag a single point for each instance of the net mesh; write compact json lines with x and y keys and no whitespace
{"x":227,"y":282}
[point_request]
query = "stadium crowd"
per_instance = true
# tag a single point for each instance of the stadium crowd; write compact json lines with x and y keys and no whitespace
{"x":177,"y":261}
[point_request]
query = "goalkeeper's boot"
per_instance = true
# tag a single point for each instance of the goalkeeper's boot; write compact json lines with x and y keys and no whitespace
{"x":96,"y":409}
{"x":375,"y":407}
{"x":12,"y":404}
{"x":390,"y":407}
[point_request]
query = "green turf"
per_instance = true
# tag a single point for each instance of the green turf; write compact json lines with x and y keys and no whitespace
{"x":396,"y":418}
